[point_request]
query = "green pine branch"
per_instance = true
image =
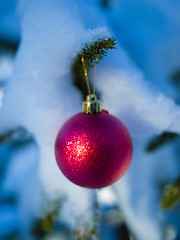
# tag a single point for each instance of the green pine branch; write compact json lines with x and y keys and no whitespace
{"x":90,"y":230}
{"x":105,"y":3}
{"x":171,"y":195}
{"x":50,"y":215}
{"x":85,"y":234}
{"x":97,"y":50}
{"x":14,"y":135}
{"x":160,"y":141}
{"x":91,"y":52}
{"x":9,"y":47}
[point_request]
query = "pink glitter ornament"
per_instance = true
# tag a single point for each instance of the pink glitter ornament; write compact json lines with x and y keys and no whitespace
{"x":93,"y":149}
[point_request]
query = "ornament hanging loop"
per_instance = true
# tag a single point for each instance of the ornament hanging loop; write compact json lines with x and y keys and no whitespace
{"x":94,"y":75}
{"x":86,"y":76}
{"x":92,"y":104}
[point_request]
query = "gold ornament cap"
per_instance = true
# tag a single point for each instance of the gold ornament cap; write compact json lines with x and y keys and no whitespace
{"x":91,"y":105}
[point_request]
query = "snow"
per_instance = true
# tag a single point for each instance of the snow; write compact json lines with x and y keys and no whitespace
{"x":1,"y":96}
{"x":138,"y":190}
{"x":152,"y":38}
{"x":141,"y":224}
{"x":6,"y":67}
{"x":40,"y":96}
{"x":22,"y":181}
{"x":144,"y":110}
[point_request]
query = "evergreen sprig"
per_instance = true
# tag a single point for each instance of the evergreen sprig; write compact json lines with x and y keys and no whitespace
{"x":14,"y":135}
{"x":91,"y":52}
{"x":50,"y":214}
{"x":85,"y":234}
{"x":160,"y":141}
{"x":97,"y":50}
{"x":171,"y":195}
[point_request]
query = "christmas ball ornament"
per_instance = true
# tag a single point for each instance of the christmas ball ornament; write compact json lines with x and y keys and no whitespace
{"x":93,"y":149}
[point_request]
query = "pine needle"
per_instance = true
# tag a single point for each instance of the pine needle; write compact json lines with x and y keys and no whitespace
{"x":161,"y":140}
{"x":171,"y":195}
{"x":90,"y":52}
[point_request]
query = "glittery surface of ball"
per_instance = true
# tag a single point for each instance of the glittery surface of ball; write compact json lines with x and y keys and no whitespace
{"x":93,"y":150}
